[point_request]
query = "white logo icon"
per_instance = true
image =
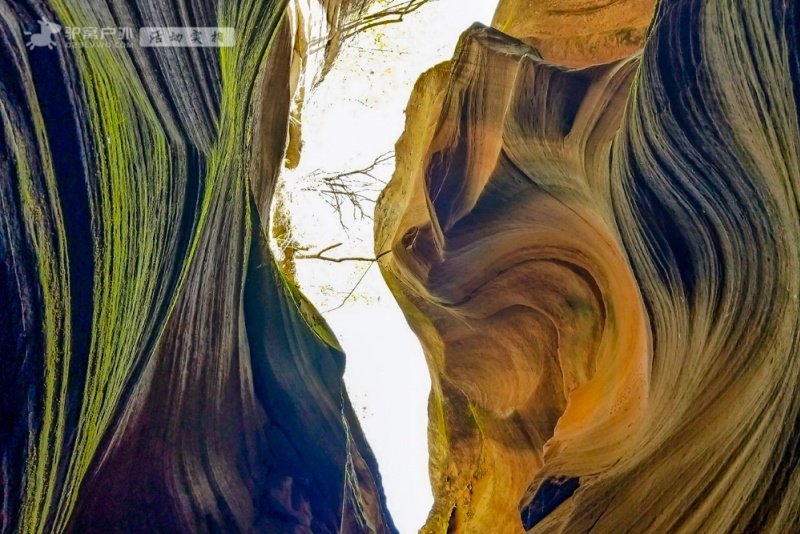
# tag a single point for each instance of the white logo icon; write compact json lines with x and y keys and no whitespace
{"x":47,"y":30}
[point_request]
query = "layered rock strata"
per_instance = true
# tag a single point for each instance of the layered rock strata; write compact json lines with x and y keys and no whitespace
{"x":602,"y":266}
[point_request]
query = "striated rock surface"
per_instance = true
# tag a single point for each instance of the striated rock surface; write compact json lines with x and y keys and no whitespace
{"x":602,"y":266}
{"x":159,"y":373}
{"x":577,"y":32}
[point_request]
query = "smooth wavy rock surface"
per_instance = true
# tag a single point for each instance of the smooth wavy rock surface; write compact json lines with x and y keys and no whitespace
{"x":577,"y":32}
{"x":602,"y":266}
{"x":158,"y":372}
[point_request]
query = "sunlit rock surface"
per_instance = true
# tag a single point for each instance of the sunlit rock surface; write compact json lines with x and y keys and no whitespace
{"x":159,"y":374}
{"x":602,"y":266}
{"x":577,"y":32}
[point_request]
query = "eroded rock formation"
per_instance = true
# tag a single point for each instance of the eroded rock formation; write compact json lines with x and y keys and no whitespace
{"x":593,"y":228}
{"x":158,"y":372}
{"x":577,"y":33}
{"x":602,"y":266}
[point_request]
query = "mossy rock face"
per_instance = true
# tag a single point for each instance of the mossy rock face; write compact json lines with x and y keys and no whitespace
{"x":310,"y":315}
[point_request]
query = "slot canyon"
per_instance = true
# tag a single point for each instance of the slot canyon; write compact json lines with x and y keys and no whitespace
{"x":592,"y":228}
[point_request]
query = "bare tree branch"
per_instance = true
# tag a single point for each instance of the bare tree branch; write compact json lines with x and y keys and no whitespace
{"x":389,"y":15}
{"x":353,"y":187}
{"x":321,"y":256}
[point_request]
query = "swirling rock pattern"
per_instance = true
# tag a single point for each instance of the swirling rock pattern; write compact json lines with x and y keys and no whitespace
{"x":602,"y":266}
{"x":158,"y":372}
{"x":577,"y":32}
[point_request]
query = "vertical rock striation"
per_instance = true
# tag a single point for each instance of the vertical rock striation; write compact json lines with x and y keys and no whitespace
{"x":601,"y":264}
{"x":159,"y":373}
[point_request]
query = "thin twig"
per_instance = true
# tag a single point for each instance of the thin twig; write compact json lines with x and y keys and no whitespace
{"x":390,"y":15}
{"x":352,"y":290}
{"x":321,"y":256}
{"x":350,"y":294}
{"x":340,"y":188}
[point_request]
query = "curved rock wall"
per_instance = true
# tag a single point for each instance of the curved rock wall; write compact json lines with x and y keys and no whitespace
{"x":601,"y":264}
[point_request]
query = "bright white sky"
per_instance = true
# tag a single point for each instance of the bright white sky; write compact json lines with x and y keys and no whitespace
{"x":355,"y":115}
